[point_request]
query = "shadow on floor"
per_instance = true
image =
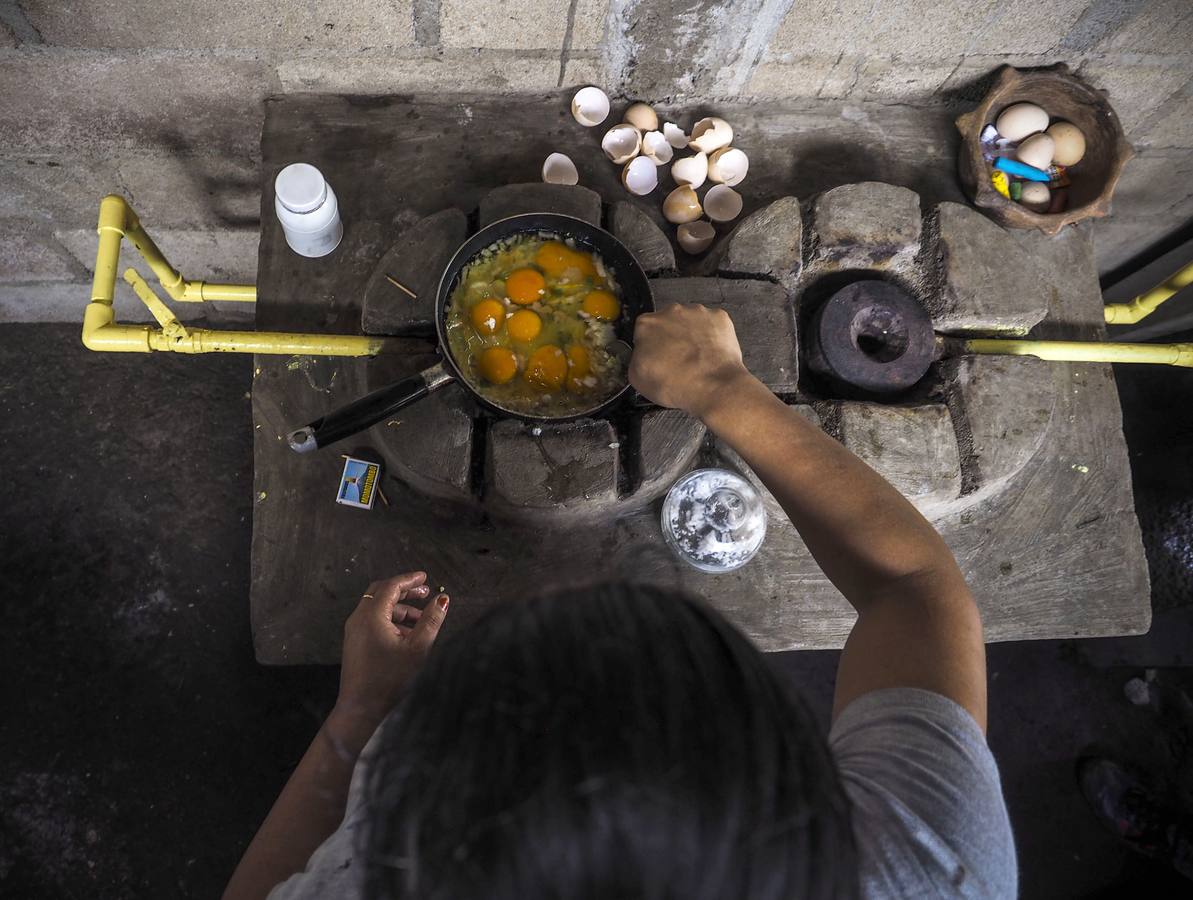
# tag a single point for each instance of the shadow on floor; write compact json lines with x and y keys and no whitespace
{"x":140,"y":744}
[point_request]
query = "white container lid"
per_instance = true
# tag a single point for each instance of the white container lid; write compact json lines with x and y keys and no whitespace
{"x":300,"y":187}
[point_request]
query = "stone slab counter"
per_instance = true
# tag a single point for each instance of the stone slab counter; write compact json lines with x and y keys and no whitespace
{"x":989,"y":283}
{"x":1042,"y":519}
{"x":867,"y":225}
{"x":896,"y":441}
{"x":417,"y":260}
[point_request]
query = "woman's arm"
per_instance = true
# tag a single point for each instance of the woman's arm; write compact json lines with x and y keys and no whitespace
{"x":385,"y":641}
{"x":917,"y":623}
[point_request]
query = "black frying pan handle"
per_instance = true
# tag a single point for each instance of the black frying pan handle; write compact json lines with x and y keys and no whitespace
{"x":640,"y":403}
{"x":368,"y":410}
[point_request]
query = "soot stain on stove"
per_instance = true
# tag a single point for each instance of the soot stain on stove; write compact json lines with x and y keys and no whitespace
{"x":559,"y":475}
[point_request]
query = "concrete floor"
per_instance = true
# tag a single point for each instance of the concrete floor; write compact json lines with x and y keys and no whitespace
{"x":140,"y":744}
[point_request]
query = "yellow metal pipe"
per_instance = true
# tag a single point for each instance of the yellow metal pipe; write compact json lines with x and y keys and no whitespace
{"x":204,"y":340}
{"x":102,"y":334}
{"x":100,"y":331}
{"x":179,"y":288}
{"x":117,"y":220}
{"x":103,"y":285}
{"x":170,"y":278}
{"x":1145,"y":304}
{"x":112,"y":210}
{"x":1087,"y":351}
{"x":203,"y":291}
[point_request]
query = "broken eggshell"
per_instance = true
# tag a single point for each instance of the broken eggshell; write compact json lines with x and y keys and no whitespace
{"x":642,"y":117}
{"x":656,"y":149}
{"x":590,"y":106}
{"x":722,"y":203}
{"x":691,"y":170}
{"x":695,"y":237}
{"x":621,"y":143}
{"x":675,"y":135}
{"x":640,"y":176}
{"x":682,"y":205}
{"x":711,"y":134}
{"x":559,"y":169}
{"x":728,"y":166}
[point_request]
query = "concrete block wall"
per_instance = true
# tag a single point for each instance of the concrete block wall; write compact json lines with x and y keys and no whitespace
{"x":162,"y":100}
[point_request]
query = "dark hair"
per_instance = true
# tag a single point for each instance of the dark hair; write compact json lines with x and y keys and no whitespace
{"x":612,"y":742}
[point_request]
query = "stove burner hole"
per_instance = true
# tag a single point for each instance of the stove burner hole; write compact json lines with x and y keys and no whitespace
{"x":869,"y":338}
{"x":879,"y":333}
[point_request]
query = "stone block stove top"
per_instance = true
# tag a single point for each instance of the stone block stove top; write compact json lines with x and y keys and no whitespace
{"x":1020,"y":463}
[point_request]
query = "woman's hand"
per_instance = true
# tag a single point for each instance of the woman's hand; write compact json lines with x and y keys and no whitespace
{"x":685,"y":356}
{"x":385,"y":642}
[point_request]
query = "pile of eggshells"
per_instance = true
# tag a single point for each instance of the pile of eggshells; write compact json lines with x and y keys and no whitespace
{"x":642,"y":148}
{"x":1031,"y":155}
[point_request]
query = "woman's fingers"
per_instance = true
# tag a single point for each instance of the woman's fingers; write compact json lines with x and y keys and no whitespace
{"x":426,"y":629}
{"x":382,"y":596}
{"x":384,"y":601}
{"x":409,"y":580}
{"x":406,"y":615}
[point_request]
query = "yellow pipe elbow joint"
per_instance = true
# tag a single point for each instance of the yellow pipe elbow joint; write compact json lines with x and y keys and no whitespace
{"x":114,"y":213}
{"x":1145,"y":304}
{"x":100,"y":332}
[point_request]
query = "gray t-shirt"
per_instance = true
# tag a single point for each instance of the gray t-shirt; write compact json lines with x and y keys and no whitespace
{"x":928,"y":811}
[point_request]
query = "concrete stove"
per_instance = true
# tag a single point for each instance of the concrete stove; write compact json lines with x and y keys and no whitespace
{"x":1020,"y":464}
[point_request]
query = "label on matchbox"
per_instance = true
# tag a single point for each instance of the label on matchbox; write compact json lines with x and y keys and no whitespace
{"x":358,"y":484}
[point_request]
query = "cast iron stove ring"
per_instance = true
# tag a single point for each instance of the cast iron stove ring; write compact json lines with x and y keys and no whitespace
{"x":871,"y":336}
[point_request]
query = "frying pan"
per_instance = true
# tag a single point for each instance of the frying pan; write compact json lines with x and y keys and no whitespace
{"x":384,"y":402}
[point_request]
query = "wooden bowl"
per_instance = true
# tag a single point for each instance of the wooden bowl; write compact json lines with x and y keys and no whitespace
{"x":1063,"y":96}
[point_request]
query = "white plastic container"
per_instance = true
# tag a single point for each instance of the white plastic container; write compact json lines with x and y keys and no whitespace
{"x":308,"y":210}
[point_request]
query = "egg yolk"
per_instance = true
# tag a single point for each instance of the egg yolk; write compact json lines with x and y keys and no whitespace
{"x":487,"y":316}
{"x":547,"y":367}
{"x":559,"y":260}
{"x":578,"y":368}
{"x":552,"y":258}
{"x":584,"y":263}
{"x":498,"y":365}
{"x":524,"y":286}
{"x":601,"y":305}
{"x":524,"y":325}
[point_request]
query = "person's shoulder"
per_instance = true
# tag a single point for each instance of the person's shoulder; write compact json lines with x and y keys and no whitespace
{"x":927,"y":804}
{"x":913,"y":716}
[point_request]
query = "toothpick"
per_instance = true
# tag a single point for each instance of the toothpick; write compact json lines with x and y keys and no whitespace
{"x":400,"y":286}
